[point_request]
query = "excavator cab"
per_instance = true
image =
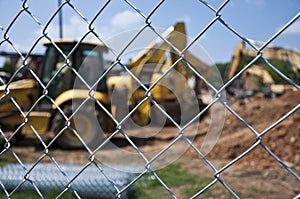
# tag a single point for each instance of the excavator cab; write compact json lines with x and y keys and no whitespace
{"x":70,"y":66}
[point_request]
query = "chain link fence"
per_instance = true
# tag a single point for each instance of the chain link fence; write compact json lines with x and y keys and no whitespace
{"x":94,"y":178}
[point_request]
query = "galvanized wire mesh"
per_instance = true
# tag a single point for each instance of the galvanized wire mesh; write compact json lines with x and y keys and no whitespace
{"x":71,"y":179}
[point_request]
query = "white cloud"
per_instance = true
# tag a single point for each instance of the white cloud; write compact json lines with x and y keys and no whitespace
{"x":74,"y":28}
{"x":185,"y":18}
{"x":126,"y":19}
{"x":293,"y":29}
{"x":258,"y":3}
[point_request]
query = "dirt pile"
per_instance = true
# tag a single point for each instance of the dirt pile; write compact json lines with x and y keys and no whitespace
{"x":260,"y":113}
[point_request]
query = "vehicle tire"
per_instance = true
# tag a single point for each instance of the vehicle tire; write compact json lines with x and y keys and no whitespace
{"x":88,"y":122}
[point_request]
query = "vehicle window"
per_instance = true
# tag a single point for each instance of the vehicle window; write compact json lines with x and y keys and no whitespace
{"x":91,"y":67}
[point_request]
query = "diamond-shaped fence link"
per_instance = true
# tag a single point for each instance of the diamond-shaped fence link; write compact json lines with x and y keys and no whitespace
{"x":61,"y":102}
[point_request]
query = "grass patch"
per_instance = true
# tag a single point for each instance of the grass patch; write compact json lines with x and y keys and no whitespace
{"x":256,"y":190}
{"x":200,"y":184}
{"x":34,"y":195}
{"x":5,"y":161}
{"x":174,"y":177}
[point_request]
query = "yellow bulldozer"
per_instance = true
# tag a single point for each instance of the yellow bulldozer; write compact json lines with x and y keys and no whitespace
{"x":75,"y":98}
{"x":259,"y":77}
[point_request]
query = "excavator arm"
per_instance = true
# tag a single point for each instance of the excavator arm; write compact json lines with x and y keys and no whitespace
{"x":150,"y":65}
{"x":155,"y":52}
{"x":164,"y":54}
{"x":236,"y":59}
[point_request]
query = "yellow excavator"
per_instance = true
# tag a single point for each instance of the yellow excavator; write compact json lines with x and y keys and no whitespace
{"x":71,"y":100}
{"x":257,"y":77}
{"x":34,"y":106}
{"x":171,"y":91}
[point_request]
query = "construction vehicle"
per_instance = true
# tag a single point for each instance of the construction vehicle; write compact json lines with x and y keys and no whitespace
{"x":70,"y":86}
{"x":172,"y":91}
{"x":35,"y":106}
{"x":13,"y":60}
{"x":259,"y":77}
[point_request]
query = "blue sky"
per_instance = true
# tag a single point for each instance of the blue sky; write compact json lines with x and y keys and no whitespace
{"x":254,"y":19}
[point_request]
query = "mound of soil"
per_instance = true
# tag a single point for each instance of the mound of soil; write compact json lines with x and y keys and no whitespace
{"x":260,"y":113}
